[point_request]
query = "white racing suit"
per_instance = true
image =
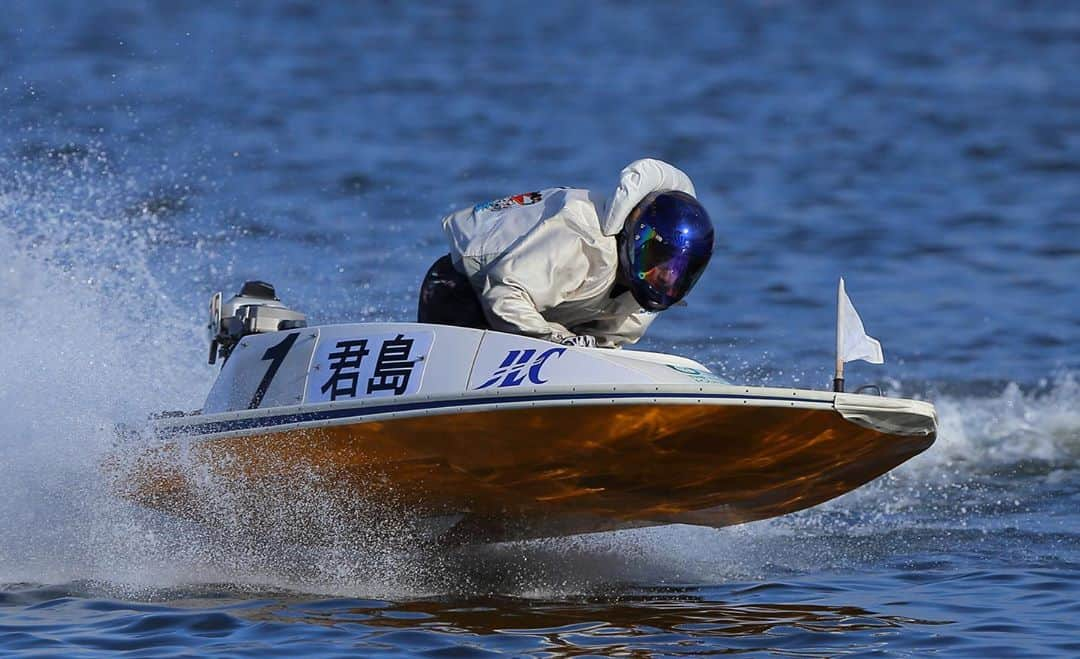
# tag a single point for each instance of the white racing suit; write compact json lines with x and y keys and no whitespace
{"x":544,"y":263}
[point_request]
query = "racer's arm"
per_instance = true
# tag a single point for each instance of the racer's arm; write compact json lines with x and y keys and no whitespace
{"x":536,"y":275}
{"x":618,"y":332}
{"x":510,"y":308}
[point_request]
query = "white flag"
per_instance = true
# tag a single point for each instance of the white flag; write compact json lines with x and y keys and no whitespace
{"x":851,"y":340}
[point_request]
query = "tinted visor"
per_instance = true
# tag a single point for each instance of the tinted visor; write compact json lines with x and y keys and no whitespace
{"x":671,"y":245}
{"x":669,"y":270}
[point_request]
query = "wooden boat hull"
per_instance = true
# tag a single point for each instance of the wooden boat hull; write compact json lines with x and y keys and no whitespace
{"x":520,"y":469}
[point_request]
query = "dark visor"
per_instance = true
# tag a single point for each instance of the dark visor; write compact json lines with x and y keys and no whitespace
{"x":669,"y":266}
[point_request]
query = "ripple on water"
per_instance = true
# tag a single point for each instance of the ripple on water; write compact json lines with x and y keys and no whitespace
{"x":155,"y":153}
{"x":813,"y":616}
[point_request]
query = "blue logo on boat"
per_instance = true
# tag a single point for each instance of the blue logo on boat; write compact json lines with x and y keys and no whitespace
{"x":519,"y":366}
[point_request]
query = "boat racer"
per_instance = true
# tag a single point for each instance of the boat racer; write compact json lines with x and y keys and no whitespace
{"x":565,"y":265}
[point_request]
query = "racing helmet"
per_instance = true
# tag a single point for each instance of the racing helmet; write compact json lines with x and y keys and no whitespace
{"x":664,"y":246}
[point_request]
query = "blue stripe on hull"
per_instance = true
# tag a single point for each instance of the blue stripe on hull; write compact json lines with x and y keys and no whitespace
{"x":214,"y":427}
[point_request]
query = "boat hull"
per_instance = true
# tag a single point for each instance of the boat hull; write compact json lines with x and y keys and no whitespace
{"x":525,"y":469}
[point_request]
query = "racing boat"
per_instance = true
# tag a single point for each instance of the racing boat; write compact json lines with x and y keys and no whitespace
{"x":502,"y":437}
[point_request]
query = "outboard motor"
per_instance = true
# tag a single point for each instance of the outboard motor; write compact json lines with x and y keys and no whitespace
{"x":256,"y":309}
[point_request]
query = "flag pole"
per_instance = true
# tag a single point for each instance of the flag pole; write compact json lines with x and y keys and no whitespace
{"x":838,"y":378}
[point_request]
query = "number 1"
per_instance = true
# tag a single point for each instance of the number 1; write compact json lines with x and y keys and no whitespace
{"x":276,"y":355}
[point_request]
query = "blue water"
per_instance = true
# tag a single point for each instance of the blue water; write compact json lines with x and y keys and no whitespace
{"x":151,"y":154}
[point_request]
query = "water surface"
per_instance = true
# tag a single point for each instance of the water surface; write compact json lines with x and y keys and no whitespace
{"x":153,"y":154}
